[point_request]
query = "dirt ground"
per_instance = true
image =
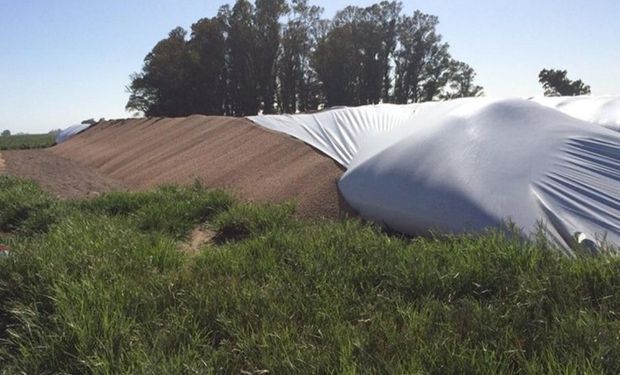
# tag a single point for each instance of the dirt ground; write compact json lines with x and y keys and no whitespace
{"x":63,"y":177}
{"x":222,"y":152}
{"x":2,"y":166}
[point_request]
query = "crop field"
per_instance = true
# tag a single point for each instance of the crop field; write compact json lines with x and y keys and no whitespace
{"x":26,"y":141}
{"x":188,"y":280}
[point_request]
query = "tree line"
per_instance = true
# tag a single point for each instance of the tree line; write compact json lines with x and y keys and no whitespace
{"x":555,"y":82}
{"x":277,"y":56}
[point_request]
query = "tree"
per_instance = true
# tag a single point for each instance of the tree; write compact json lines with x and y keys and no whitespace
{"x":376,"y":33}
{"x":161,"y":89}
{"x":244,"y":59}
{"x":388,"y":14}
{"x":556,"y":83}
{"x":422,"y":61}
{"x":207,"y":49}
{"x":142,"y":95}
{"x":436,"y":73}
{"x":242,"y":44}
{"x":353,"y":60}
{"x":335,"y":63}
{"x":298,"y":82}
{"x":266,"y":18}
{"x":6,"y":133}
{"x":461,"y":81}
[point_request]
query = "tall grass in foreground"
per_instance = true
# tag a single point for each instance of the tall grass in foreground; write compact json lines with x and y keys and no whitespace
{"x":104,"y":289}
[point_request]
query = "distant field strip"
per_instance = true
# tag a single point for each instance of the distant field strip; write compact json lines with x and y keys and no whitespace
{"x":26,"y":141}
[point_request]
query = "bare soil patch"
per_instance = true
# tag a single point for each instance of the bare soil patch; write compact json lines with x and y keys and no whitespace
{"x":199,"y":237}
{"x":63,"y":177}
{"x":2,"y":165}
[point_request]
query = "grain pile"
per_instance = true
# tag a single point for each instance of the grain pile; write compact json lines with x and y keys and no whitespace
{"x":222,"y":152}
{"x":63,"y":177}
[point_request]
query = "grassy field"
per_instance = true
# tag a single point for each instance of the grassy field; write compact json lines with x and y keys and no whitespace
{"x":26,"y":141}
{"x":104,"y":286}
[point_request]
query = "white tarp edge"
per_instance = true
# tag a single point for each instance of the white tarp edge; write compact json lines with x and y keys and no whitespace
{"x":339,"y":132}
{"x":470,"y":164}
{"x":602,"y":110}
{"x":69,"y":132}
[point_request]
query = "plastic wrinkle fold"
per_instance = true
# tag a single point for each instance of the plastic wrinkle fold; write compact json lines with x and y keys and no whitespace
{"x":471,"y":164}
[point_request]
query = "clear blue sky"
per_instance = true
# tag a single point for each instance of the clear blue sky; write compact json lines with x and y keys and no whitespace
{"x":62,"y":61}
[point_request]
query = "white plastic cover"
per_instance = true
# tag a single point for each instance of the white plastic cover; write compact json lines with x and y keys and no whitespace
{"x":602,"y":110}
{"x":339,"y":132}
{"x":69,"y":132}
{"x":470,"y":164}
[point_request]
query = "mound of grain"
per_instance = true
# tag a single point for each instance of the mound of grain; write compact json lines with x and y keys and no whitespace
{"x":223,"y":152}
{"x":63,"y":177}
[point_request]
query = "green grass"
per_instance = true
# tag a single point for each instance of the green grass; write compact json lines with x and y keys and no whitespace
{"x":26,"y":141}
{"x":103,"y":289}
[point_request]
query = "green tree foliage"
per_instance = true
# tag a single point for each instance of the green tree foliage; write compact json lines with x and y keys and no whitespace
{"x":267,"y":16}
{"x":242,"y":51}
{"x":335,"y":61}
{"x":353,"y":59}
{"x":245,"y":60}
{"x":6,"y":133}
{"x":207,"y":49}
{"x":422,"y":59}
{"x":556,"y":83}
{"x":387,"y":15}
{"x":161,"y":89}
{"x":89,"y":121}
{"x":462,"y":82}
{"x":298,"y":82}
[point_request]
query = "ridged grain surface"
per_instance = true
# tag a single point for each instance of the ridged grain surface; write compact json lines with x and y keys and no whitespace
{"x":222,"y":152}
